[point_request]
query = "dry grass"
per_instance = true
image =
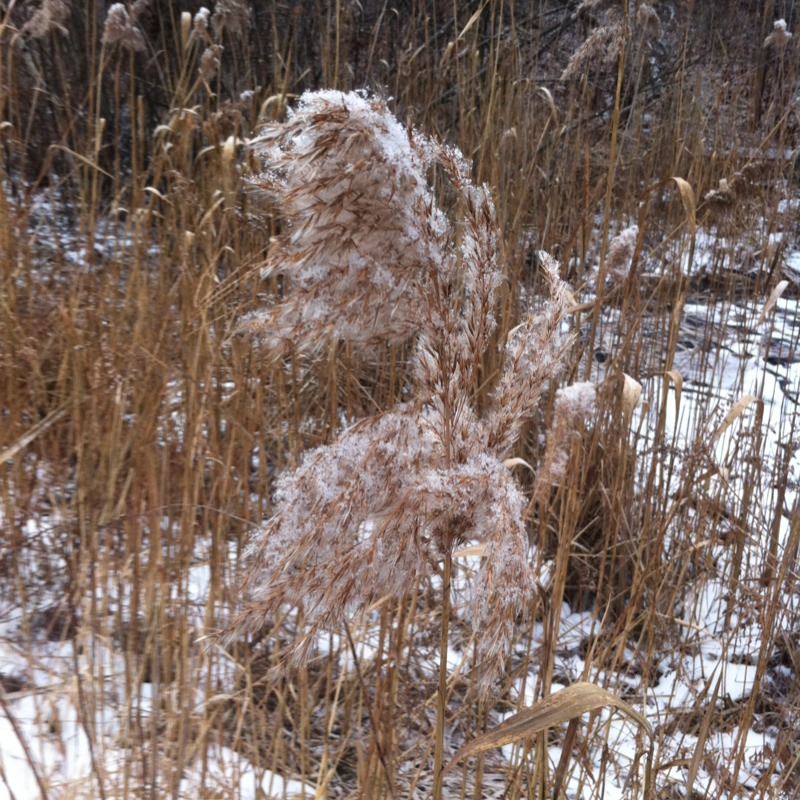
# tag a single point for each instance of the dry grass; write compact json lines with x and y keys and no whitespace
{"x":142,"y":437}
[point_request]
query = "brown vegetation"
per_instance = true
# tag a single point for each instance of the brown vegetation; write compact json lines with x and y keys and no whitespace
{"x":142,"y":437}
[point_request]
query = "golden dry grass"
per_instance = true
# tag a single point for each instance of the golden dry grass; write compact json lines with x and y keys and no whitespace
{"x":141,"y":437}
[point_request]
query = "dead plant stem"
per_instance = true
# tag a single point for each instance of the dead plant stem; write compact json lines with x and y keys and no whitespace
{"x":368,"y":706}
{"x":441,"y":700}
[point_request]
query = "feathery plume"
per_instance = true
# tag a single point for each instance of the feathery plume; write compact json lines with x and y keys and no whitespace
{"x":603,"y":47}
{"x":361,"y":226}
{"x":741,"y":187}
{"x":647,"y":19}
{"x":371,"y":513}
{"x":200,"y":21}
{"x":605,"y":44}
{"x":121,"y":30}
{"x":210,"y":60}
{"x":536,"y":352}
{"x":140,"y":7}
{"x":620,"y":253}
{"x":590,"y":4}
{"x":232,"y":16}
{"x":575,"y":405}
{"x":780,"y":35}
{"x":53,"y":14}
{"x":373,"y":258}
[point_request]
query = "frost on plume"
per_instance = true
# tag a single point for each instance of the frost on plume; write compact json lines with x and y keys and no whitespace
{"x":361,"y":230}
{"x":372,"y":258}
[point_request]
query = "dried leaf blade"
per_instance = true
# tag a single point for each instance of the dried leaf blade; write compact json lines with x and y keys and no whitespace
{"x":736,"y":410}
{"x":773,"y":298}
{"x":631,"y":393}
{"x":677,"y":380}
{"x":575,"y":700}
{"x":687,"y":198}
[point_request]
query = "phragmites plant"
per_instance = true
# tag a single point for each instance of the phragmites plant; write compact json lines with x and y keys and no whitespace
{"x":727,"y":205}
{"x":620,"y":254}
{"x":51,"y":15}
{"x":121,"y":30}
{"x":231,"y":15}
{"x":779,"y":37}
{"x":371,"y":257}
{"x":574,"y":407}
{"x":607,"y":41}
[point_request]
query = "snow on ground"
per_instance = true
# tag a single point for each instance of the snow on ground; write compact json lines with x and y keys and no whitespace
{"x":230,"y":773}
{"x":45,"y":723}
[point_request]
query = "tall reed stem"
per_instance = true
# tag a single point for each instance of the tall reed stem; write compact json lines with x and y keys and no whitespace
{"x":441,"y":703}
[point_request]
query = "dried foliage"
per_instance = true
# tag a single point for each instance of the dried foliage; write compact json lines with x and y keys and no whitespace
{"x":737,"y":193}
{"x":606,"y":43}
{"x":648,"y":20}
{"x":369,"y":514}
{"x":142,"y":443}
{"x":603,"y":46}
{"x":575,"y":409}
{"x":209,"y":62}
{"x":535,"y":352}
{"x":588,"y":507}
{"x":232,"y":16}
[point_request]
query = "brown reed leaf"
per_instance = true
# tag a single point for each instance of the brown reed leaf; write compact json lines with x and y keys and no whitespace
{"x":735,"y":411}
{"x":580,"y":698}
{"x":773,"y":298}
{"x":689,"y":205}
{"x":677,"y":379}
{"x":631,"y":394}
